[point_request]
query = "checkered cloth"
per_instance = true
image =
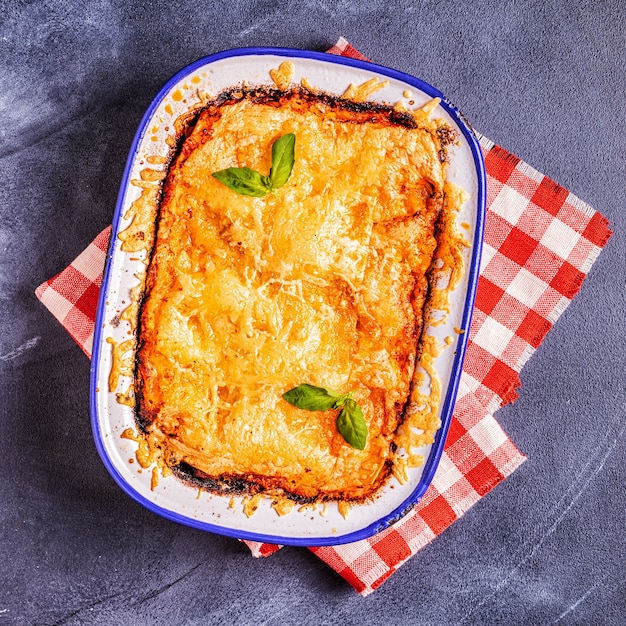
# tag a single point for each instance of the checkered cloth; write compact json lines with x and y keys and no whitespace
{"x":540,"y":242}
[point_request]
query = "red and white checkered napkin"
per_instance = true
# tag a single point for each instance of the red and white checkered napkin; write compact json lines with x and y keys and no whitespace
{"x":540,"y":242}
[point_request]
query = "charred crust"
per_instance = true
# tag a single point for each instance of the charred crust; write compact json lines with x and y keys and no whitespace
{"x":235,"y":485}
{"x":359,"y":112}
{"x":447,"y":135}
{"x":251,"y":485}
{"x":143,"y":417}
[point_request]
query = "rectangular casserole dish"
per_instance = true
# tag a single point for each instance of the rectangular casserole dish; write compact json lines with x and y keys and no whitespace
{"x":112,"y":421}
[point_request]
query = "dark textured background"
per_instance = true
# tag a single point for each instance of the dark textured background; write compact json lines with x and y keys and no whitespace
{"x":546,"y":80}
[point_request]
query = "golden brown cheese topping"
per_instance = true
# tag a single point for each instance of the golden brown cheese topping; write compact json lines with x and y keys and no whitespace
{"x":324,"y":281}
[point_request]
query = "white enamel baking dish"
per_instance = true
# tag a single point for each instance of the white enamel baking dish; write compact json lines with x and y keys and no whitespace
{"x":176,"y":500}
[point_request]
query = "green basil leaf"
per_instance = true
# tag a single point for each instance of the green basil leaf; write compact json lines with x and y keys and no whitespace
{"x":244,"y":181}
{"x":283,"y":157}
{"x":351,"y":424}
{"x":312,"y":398}
{"x":249,"y":182}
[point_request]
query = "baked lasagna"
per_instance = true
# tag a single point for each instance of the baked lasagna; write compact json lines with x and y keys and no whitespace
{"x":323,"y":282}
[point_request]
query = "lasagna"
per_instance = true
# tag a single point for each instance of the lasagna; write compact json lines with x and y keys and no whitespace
{"x":323,"y":282}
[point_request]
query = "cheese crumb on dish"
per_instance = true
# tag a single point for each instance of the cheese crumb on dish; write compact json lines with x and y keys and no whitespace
{"x":283,"y":75}
{"x":360,"y":93}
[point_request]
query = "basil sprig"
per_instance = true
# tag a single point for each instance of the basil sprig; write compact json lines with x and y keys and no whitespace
{"x":249,"y":182}
{"x":350,"y":421}
{"x":351,"y":424}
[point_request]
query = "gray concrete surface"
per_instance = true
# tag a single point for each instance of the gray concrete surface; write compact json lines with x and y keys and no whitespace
{"x":546,"y":80}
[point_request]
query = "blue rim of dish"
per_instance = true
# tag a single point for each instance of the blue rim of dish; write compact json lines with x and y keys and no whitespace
{"x":436,"y":451}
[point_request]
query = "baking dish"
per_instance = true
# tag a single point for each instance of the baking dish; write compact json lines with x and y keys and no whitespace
{"x":174,"y":499}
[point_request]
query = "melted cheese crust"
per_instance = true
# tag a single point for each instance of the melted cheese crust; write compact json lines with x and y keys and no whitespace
{"x":323,"y":282}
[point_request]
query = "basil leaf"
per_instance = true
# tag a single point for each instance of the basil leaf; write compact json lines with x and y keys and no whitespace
{"x":244,"y":181}
{"x":249,"y":182}
{"x":283,"y":157}
{"x":351,"y":424}
{"x":312,"y":398}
